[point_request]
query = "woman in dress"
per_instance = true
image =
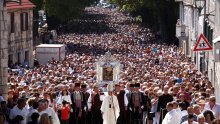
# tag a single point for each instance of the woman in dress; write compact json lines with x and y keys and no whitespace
{"x":64,"y":97}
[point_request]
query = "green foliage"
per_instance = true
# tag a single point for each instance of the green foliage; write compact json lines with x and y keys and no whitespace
{"x":160,"y":15}
{"x":128,"y":5}
{"x":38,"y":4}
{"x":138,"y":18}
{"x":63,"y":10}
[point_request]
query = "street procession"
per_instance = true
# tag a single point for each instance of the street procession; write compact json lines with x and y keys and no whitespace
{"x":108,"y":69}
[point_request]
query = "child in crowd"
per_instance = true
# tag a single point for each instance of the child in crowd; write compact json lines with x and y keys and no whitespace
{"x":65,"y":112}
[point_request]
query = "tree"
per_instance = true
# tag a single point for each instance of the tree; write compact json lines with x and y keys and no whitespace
{"x":159,"y":15}
{"x":61,"y":11}
{"x":39,"y":5}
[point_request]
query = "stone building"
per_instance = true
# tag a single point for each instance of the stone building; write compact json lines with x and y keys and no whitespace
{"x":3,"y":50}
{"x":20,"y":32}
{"x":16,"y":40}
{"x":191,"y":24}
{"x":216,"y":51}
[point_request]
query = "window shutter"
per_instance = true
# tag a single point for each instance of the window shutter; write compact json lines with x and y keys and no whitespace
{"x":12,"y":23}
{"x":22,"y":21}
{"x":26,"y":21}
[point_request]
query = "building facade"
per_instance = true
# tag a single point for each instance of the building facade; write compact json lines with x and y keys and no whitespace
{"x":187,"y":26}
{"x":20,"y":33}
{"x":3,"y":50}
{"x":216,"y":53}
{"x":191,"y":24}
{"x":16,"y":40}
{"x":196,"y":22}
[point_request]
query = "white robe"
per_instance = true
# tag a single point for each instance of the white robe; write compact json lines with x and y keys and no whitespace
{"x":171,"y":118}
{"x":110,"y":115}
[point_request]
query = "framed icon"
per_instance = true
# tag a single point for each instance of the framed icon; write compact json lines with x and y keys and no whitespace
{"x":107,"y":70}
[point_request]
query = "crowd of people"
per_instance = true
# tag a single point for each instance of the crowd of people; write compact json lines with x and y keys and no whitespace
{"x":158,"y":83}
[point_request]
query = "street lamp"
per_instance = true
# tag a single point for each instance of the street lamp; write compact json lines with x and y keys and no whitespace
{"x":200,"y":4}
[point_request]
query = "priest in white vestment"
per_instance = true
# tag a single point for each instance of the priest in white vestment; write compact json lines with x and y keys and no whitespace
{"x":110,"y":108}
{"x":172,"y":116}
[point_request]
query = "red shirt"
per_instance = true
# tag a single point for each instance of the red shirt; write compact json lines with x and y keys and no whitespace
{"x":65,"y":111}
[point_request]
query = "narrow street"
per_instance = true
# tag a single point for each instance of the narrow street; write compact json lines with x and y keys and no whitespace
{"x":155,"y":78}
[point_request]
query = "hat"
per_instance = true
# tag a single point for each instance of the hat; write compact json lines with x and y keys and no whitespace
{"x":83,"y":86}
{"x":137,"y":85}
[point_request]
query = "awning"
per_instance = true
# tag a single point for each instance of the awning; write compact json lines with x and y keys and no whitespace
{"x":216,"y":39}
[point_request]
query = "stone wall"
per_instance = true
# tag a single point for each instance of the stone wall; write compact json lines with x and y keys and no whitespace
{"x":217,"y":81}
{"x":3,"y":50}
{"x":217,"y":19}
{"x":216,"y":33}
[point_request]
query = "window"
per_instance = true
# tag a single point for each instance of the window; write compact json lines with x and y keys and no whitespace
{"x":12,"y":22}
{"x":19,"y":57}
{"x":26,"y":56}
{"x":10,"y":57}
{"x":24,"y":21}
{"x":10,"y":60}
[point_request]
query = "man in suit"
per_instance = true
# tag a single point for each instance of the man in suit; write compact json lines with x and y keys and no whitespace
{"x":130,"y":90}
{"x":123,"y":103}
{"x":96,"y":106}
{"x":77,"y":103}
{"x":162,"y":102}
{"x":86,"y":117}
{"x":137,"y":104}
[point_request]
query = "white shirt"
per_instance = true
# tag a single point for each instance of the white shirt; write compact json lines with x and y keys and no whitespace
{"x":178,"y":111}
{"x":215,"y":109}
{"x":31,"y":111}
{"x":90,"y":91}
{"x":66,"y":98}
{"x":184,"y":113}
{"x":171,"y":118}
{"x":16,"y":111}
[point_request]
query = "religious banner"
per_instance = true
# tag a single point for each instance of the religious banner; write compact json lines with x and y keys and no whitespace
{"x":107,"y":69}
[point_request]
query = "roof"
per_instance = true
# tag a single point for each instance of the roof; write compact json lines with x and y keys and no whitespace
{"x":50,"y":45}
{"x":25,"y":4}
